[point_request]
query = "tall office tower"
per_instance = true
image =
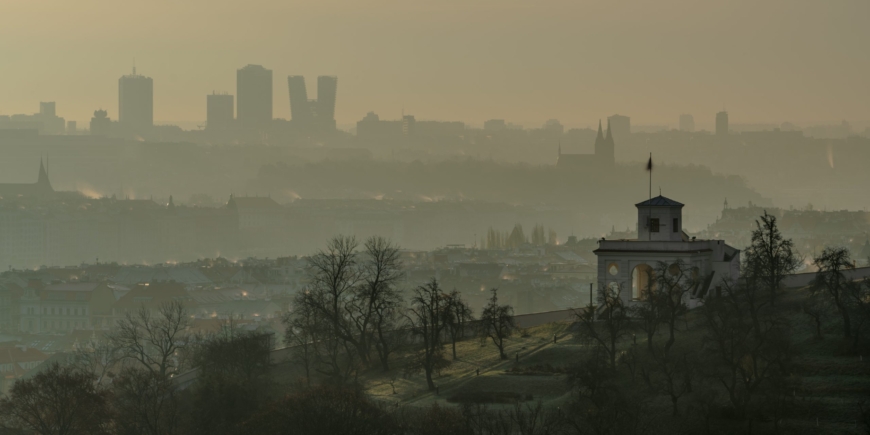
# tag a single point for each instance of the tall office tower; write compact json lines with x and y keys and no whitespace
{"x":327,"y":87}
{"x":722,"y":123}
{"x":254,"y":95}
{"x":620,"y":126}
{"x":219,"y":111}
{"x":47,"y":109}
{"x":135,"y":101}
{"x":71,"y":127}
{"x":687,"y":122}
{"x":300,"y":109}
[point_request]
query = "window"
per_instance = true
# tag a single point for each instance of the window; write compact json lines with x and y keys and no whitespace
{"x":613,"y":269}
{"x":676,"y":225}
{"x":654,"y":225}
{"x":642,"y":281}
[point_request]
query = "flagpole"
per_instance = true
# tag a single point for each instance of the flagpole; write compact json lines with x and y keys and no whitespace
{"x":649,"y":209}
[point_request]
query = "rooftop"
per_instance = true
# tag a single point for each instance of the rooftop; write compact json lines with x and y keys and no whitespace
{"x":659,"y":201}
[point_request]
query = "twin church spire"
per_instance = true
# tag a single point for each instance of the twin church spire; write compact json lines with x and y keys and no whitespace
{"x":601,"y":139}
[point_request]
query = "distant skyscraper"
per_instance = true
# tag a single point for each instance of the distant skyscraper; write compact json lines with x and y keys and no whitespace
{"x":620,"y":126}
{"x":47,"y":116}
{"x":136,"y":101}
{"x":219,"y":111}
{"x":300,"y":109}
{"x":687,"y":123}
{"x":313,"y":114}
{"x":327,"y":88}
{"x":254,"y":95}
{"x":71,"y":127}
{"x":47,"y":108}
{"x":408,"y":123}
{"x":722,"y":123}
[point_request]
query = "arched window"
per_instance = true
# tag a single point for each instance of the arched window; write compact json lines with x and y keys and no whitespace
{"x":641,"y":280}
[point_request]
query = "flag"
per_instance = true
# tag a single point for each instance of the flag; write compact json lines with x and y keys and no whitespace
{"x":649,"y":163}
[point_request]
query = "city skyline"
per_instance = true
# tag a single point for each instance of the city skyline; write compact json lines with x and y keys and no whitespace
{"x":389,"y":61}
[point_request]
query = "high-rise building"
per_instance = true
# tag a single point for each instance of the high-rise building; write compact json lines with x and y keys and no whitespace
{"x":687,"y":122}
{"x":722,"y":123}
{"x":47,"y":117}
{"x":300,"y":108}
{"x":316,"y":114}
{"x":219,"y":111}
{"x":408,"y":122}
{"x":71,"y":127}
{"x":327,"y":89}
{"x":47,"y":109}
{"x":620,"y":126}
{"x":135,"y":101}
{"x":254,"y":95}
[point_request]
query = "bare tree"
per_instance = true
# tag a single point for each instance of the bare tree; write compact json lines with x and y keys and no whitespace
{"x":497,"y":322}
{"x":745,"y":361}
{"x":673,"y":282}
{"x":334,"y":276}
{"x":234,"y":353}
{"x":374,"y":308}
{"x":770,"y":257}
{"x":301,"y":332}
{"x":426,"y":319}
{"x":607,"y":324}
{"x":831,"y":282}
{"x":99,"y":357}
{"x":670,"y":374}
{"x":145,"y":403}
{"x":154,"y":339}
{"x":816,"y":308}
{"x":58,"y":401}
{"x":456,"y":317}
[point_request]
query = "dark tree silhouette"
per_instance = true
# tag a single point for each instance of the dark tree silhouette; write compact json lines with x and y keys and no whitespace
{"x":831,"y":282}
{"x":497,"y":322}
{"x":427,"y":321}
{"x":58,"y":401}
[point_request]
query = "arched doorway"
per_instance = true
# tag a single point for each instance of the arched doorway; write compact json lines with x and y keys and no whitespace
{"x":640,"y":280}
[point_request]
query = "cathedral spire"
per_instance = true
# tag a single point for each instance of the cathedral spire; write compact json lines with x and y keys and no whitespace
{"x":43,"y":184}
{"x":599,"y":140}
{"x":43,"y":174}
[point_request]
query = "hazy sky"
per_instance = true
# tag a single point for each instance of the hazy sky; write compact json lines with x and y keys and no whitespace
{"x":469,"y":60}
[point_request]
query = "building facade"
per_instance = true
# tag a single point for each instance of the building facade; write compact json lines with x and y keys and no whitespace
{"x":687,"y":122}
{"x":254,"y":95}
{"x":135,"y":101}
{"x":219,"y":111}
{"x":722,"y":123}
{"x":621,"y":126}
{"x":627,"y":266}
{"x":604,"y":156}
{"x":313,"y":114}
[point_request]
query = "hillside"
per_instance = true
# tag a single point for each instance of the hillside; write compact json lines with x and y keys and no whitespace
{"x":829,"y":386}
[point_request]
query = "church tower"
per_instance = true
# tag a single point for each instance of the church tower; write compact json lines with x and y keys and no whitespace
{"x":609,"y":152}
{"x":604,"y":147}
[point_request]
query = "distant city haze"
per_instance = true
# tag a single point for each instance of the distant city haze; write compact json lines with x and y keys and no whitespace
{"x":802,"y":61}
